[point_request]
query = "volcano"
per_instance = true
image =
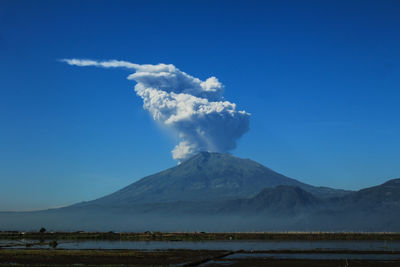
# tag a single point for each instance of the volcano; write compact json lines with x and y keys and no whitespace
{"x":221,"y":192}
{"x":208,"y":177}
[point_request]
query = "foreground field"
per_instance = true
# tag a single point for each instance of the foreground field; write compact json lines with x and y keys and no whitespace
{"x":34,"y":257}
{"x":304,"y":249}
{"x":202,"y":236}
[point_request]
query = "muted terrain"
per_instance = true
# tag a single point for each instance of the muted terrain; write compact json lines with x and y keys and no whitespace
{"x":218,"y":193}
{"x":301,"y":249}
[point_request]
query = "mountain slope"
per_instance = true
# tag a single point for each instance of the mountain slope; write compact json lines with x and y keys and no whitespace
{"x":219,"y":192}
{"x":283,"y":198}
{"x":206,"y":176}
{"x":375,"y":208}
{"x":380,"y":197}
{"x":385,"y":194}
{"x":280,"y":200}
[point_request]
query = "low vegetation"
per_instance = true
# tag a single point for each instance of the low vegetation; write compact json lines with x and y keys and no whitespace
{"x":197,"y":236}
{"x":34,"y":257}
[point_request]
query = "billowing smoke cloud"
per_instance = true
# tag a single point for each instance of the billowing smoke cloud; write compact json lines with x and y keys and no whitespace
{"x":194,"y":109}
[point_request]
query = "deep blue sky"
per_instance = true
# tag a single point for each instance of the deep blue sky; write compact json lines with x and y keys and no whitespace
{"x":320,"y":78}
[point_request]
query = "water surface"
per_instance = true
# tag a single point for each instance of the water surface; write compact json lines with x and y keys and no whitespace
{"x":314,"y":256}
{"x":249,"y":245}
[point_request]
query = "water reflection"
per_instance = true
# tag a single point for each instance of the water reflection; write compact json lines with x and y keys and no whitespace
{"x":314,"y":256}
{"x":251,"y":245}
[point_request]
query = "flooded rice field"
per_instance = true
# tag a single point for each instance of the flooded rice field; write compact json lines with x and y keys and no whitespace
{"x":231,"y":245}
{"x":19,"y":252}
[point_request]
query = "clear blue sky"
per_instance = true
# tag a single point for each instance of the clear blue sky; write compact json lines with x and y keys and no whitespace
{"x":320,"y":78}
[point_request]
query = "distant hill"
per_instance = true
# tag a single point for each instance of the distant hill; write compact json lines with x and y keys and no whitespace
{"x":386,"y":195}
{"x":375,"y":208}
{"x":282,"y":200}
{"x":373,"y":199}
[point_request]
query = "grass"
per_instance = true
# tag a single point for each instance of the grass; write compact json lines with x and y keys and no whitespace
{"x":103,"y":257}
{"x":51,"y":257}
{"x":159,"y":236}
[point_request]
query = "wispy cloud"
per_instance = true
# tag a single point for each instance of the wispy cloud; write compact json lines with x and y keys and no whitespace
{"x":102,"y":64}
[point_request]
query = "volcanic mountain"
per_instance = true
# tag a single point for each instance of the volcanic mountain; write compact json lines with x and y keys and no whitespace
{"x":208,"y":177}
{"x":220,"y":192}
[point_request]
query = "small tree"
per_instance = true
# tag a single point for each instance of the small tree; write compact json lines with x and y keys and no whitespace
{"x":42,"y":230}
{"x":53,"y":244}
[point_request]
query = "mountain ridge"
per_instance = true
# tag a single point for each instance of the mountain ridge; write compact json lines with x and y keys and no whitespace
{"x":220,"y":192}
{"x":211,"y":176}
